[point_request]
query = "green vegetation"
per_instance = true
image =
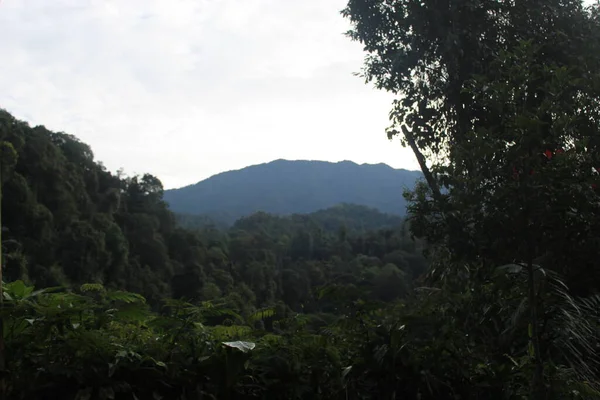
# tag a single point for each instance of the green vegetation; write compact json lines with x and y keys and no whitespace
{"x":90,"y":239}
{"x":352,"y":217}
{"x":489,"y":289}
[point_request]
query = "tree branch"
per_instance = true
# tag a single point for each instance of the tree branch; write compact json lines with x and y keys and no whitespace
{"x":431,"y":181}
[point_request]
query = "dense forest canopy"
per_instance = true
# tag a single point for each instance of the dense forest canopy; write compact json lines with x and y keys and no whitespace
{"x":350,"y":216}
{"x":69,"y":221}
{"x":488,"y":290}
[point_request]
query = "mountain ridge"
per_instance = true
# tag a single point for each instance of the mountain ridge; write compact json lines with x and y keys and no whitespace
{"x":283,"y":160}
{"x":287,"y":187}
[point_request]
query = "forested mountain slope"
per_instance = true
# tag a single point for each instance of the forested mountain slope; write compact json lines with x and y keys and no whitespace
{"x":294,"y":187}
{"x":69,"y":221}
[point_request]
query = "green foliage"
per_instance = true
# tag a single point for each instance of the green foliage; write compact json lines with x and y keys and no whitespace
{"x":8,"y":158}
{"x":95,"y":226}
{"x":246,"y":317}
{"x":501,"y":98}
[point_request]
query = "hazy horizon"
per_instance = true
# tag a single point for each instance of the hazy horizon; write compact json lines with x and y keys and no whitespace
{"x":186,"y":89}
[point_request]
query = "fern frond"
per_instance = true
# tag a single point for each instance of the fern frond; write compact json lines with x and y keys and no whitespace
{"x":230,"y":332}
{"x":578,"y":335}
{"x":92,"y":287}
{"x":261,"y":315}
{"x":126,"y":297}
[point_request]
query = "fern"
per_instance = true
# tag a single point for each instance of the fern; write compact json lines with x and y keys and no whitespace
{"x":230,"y":332}
{"x":132,"y":312}
{"x":261,"y":315}
{"x":92,"y":287}
{"x":126,"y":297}
{"x":271,"y":339}
{"x":577,"y":327}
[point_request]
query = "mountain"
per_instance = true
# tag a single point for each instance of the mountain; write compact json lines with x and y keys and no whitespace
{"x":294,"y":187}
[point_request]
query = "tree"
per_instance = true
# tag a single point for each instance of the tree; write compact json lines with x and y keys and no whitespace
{"x":8,"y":159}
{"x":488,"y":92}
{"x":426,"y":51}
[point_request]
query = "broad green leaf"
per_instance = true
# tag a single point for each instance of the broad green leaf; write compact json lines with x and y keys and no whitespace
{"x":240,"y":345}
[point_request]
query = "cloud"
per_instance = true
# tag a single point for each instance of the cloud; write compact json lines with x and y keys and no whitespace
{"x":184,"y":89}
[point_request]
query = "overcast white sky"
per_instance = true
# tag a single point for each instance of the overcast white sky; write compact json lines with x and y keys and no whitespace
{"x":185,"y":89}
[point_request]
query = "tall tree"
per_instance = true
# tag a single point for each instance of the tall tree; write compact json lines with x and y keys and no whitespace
{"x":8,"y":158}
{"x":489,"y":92}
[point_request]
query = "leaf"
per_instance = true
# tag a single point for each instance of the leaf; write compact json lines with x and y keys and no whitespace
{"x":18,"y":289}
{"x":125,"y":297}
{"x":111,"y":369}
{"x":512,"y":360}
{"x":510,"y":269}
{"x":380,"y":353}
{"x":240,"y":345}
{"x":91,"y":287}
{"x":230,"y":332}
{"x":261,"y":314}
{"x":530,"y":349}
{"x":84,"y":394}
{"x":106,"y":393}
{"x":346,"y":371}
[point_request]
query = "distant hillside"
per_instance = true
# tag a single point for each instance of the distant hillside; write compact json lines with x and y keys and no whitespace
{"x":294,"y":187}
{"x":353,"y":218}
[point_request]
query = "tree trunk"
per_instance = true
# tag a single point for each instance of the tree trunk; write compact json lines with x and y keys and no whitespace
{"x":431,"y":181}
{"x":537,"y":389}
{"x":537,"y":381}
{"x":2,"y":347}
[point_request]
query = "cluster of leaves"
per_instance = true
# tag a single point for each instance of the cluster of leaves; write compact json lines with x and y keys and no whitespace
{"x":94,"y":343}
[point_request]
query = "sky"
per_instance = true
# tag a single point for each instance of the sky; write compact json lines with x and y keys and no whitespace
{"x":185,"y":89}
